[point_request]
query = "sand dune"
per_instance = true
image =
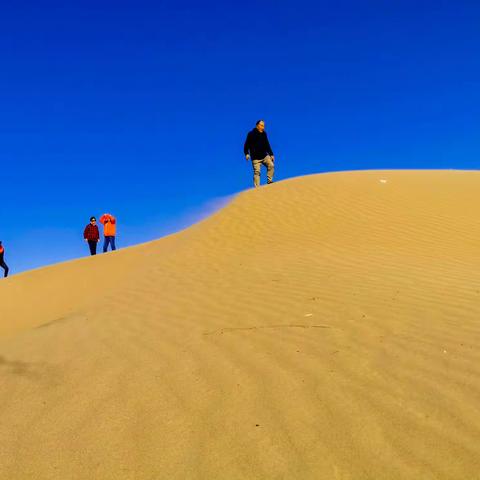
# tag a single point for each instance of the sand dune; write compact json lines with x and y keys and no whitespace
{"x":326,"y":327}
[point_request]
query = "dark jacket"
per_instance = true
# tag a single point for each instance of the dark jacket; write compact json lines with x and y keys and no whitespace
{"x":2,"y":254}
{"x":257,"y":145}
{"x":91,"y":232}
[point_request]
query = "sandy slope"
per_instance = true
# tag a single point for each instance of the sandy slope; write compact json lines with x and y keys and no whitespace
{"x":327,"y":327}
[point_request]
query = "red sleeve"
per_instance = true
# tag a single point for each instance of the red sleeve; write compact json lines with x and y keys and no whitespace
{"x":85,"y":232}
{"x":97,"y":236}
{"x":113,"y":219}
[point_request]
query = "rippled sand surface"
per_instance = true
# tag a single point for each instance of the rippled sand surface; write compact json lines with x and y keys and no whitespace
{"x":325,"y":327}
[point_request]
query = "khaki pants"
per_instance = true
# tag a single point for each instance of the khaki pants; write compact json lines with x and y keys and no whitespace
{"x":268,"y":162}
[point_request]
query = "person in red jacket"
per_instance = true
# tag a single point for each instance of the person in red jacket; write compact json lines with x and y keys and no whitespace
{"x":2,"y":260}
{"x":109,"y":223}
{"x":92,"y":235}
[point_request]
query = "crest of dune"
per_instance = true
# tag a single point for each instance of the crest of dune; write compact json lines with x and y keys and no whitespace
{"x":325,"y":327}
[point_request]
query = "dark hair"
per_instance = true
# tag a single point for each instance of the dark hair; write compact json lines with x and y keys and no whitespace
{"x":93,"y":218}
{"x":258,"y":121}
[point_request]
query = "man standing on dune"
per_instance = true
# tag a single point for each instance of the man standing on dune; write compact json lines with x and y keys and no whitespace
{"x":92,"y":235}
{"x":2,"y":260}
{"x":257,"y":148}
{"x":109,"y":223}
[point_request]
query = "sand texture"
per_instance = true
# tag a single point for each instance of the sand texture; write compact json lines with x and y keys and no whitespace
{"x":325,"y":327}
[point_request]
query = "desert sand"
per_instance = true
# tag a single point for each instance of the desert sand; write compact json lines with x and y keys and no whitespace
{"x":324,"y":327}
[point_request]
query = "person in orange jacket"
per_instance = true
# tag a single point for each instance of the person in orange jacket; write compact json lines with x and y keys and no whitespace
{"x":109,"y":223}
{"x":2,"y":260}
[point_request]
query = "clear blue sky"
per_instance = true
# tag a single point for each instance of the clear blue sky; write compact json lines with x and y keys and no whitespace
{"x":141,"y":108}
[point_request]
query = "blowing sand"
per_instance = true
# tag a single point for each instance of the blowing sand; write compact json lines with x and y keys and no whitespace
{"x":326,"y":327}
